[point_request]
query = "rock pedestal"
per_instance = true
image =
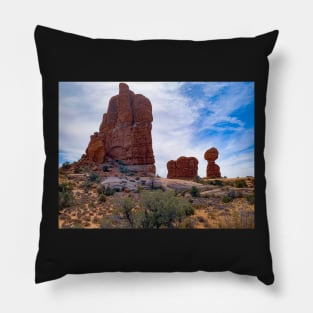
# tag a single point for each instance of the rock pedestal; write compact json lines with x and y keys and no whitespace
{"x":183,"y":167}
{"x":212,"y":170}
{"x":124,"y":133}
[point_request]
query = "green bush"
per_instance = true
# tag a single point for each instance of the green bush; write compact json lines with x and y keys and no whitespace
{"x":66,"y":199}
{"x":100,"y":189}
{"x":106,"y":222}
{"x":93,"y":177}
{"x":195,"y":192}
{"x":123,"y":169}
{"x":218,"y":183}
{"x":231,"y":195}
{"x":187,"y":223}
{"x":125,"y":205}
{"x":227,"y":198}
{"x":197,"y":179}
{"x":102,"y":198}
{"x":138,"y":218}
{"x":163,"y":208}
{"x":189,"y":210}
{"x":105,"y":168}
{"x":86,"y":185}
{"x":250,"y":199}
{"x":65,"y":186}
{"x":240,"y":183}
{"x":78,"y":170}
{"x":109,"y":191}
{"x":66,"y":165}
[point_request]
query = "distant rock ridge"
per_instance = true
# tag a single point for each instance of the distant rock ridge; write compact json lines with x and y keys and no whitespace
{"x":212,"y":170}
{"x":183,"y":167}
{"x":124,"y":133}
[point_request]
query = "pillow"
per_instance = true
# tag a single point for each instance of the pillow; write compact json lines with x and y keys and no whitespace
{"x":154,"y":155}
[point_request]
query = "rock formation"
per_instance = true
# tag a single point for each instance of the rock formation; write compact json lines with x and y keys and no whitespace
{"x":124,"y":133}
{"x":212,"y":170}
{"x":183,"y":167}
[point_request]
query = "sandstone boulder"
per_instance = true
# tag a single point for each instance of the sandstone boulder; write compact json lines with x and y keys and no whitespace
{"x":212,"y":170}
{"x":183,"y":167}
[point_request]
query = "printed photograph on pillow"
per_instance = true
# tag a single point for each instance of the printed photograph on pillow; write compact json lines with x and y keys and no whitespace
{"x":156,"y":155}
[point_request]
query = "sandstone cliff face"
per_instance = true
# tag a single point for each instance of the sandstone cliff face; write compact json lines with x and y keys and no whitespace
{"x":183,"y":167}
{"x":212,"y":170}
{"x":125,"y":132}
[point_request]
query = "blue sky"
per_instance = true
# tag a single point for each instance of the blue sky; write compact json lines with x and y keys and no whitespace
{"x":189,"y":118}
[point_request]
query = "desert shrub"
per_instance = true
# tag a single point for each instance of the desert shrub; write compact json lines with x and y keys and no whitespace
{"x":227,"y":198}
{"x":197,"y":179}
{"x":138,"y":217}
{"x":106,"y":222}
{"x":109,"y":191}
{"x":78,"y":170}
{"x":194,"y":191}
{"x":125,"y":205}
{"x":100,"y":189}
{"x":240,"y":183}
{"x":102,"y":198}
{"x":218,"y":182}
{"x":66,"y":199}
{"x":105,"y":168}
{"x":65,"y":186}
{"x":189,"y":210}
{"x":123,"y":169}
{"x":86,"y":185}
{"x":188,"y":222}
{"x":163,"y":208}
{"x":93,"y":177}
{"x":250,"y":199}
{"x":66,"y":165}
{"x":139,"y":189}
{"x":229,"y":220}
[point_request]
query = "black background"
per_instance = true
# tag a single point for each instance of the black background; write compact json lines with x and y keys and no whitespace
{"x":67,"y":57}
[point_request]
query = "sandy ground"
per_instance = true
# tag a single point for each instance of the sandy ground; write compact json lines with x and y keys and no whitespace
{"x":210,"y":209}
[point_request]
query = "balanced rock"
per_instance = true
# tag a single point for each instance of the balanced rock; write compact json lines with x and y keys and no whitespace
{"x":124,"y":133}
{"x":212,"y":170}
{"x":183,"y":167}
